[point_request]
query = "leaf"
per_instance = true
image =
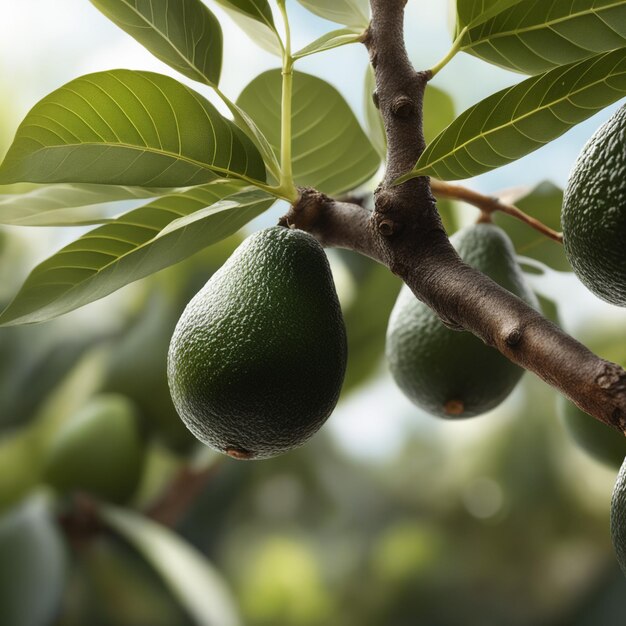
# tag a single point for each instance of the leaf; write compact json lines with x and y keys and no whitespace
{"x":184,"y":34}
{"x":355,"y":13}
{"x":373,"y":119}
{"x":544,"y":202}
{"x":255,"y":18}
{"x":125,"y":127}
{"x":439,"y":111}
{"x":516,"y":121}
{"x":533,"y":36}
{"x":331,"y":40}
{"x":131,"y":247}
{"x":68,"y":204}
{"x":473,"y":12}
{"x":190,"y":577}
{"x":330,"y":150}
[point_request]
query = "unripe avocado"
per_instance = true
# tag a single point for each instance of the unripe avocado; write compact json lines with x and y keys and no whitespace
{"x":594,"y":212}
{"x":446,"y":372}
{"x":597,"y":439}
{"x":98,"y":450}
{"x":258,"y":357}
{"x":618,"y":517}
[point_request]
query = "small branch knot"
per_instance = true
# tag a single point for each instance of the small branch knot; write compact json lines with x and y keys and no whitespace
{"x":387,"y":228}
{"x":376,"y":99}
{"x":402,"y":106}
{"x":513,"y":337}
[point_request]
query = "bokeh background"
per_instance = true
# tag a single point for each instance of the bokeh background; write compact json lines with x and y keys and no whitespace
{"x":388,"y":516}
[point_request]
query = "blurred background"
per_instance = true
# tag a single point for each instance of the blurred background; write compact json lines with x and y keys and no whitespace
{"x":388,"y":516}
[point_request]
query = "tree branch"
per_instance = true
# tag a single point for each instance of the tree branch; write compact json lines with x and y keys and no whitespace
{"x":491,"y":204}
{"x":405,"y":233}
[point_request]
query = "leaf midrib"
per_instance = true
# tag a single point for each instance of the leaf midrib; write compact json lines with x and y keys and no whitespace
{"x":514,"y":121}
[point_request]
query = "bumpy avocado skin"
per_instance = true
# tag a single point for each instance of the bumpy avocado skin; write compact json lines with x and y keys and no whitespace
{"x":594,"y":212}
{"x":258,"y":357}
{"x":618,"y":517}
{"x":449,"y":373}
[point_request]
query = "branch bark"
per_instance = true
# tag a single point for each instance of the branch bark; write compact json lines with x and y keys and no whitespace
{"x":405,"y":233}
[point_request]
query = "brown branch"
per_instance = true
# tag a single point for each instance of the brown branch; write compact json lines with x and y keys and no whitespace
{"x":491,"y":204}
{"x":405,"y":233}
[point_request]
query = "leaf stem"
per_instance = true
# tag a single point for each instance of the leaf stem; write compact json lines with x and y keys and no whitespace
{"x":456,"y":46}
{"x":491,"y":204}
{"x":286,"y":173}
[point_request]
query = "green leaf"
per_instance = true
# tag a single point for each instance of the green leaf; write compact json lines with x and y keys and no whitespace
{"x":373,"y":119}
{"x":33,"y":564}
{"x":544,"y":203}
{"x":355,"y":13}
{"x":473,"y":12}
{"x":133,"y":246}
{"x":331,"y":40}
{"x":439,"y":111}
{"x":184,"y":34}
{"x":533,"y":36}
{"x":68,"y":204}
{"x":516,"y":121}
{"x":330,"y":150}
{"x":190,"y":577}
{"x":125,"y":127}
{"x":255,"y":18}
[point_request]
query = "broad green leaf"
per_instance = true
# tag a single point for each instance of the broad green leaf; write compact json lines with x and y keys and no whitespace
{"x":373,"y":119}
{"x":330,"y":150}
{"x":515,"y":121}
{"x":544,"y":203}
{"x":255,"y":18}
{"x":549,"y":308}
{"x":473,"y":12}
{"x":33,"y":565}
{"x":438,"y":111}
{"x":355,"y":13}
{"x":68,"y":205}
{"x":184,"y":34}
{"x":131,"y":247}
{"x":125,"y":127}
{"x":331,"y":40}
{"x":533,"y":36}
{"x":190,"y":577}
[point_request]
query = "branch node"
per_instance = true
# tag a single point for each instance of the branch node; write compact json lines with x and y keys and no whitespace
{"x":376,"y":99}
{"x":387,"y":228}
{"x":513,"y":337}
{"x":403,"y":106}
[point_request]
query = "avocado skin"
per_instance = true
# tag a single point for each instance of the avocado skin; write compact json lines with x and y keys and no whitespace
{"x":258,"y":357}
{"x":448,"y":373}
{"x":618,"y":517}
{"x":594,"y":212}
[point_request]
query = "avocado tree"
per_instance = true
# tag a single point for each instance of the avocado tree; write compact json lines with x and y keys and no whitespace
{"x":130,"y":134}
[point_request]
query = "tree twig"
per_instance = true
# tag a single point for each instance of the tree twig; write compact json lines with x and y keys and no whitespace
{"x":405,"y":233}
{"x":491,"y":204}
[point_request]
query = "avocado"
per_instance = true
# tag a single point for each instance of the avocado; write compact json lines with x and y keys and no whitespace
{"x":618,"y":517}
{"x":451,"y":373}
{"x":258,"y":357}
{"x":98,"y":450}
{"x":594,"y":212}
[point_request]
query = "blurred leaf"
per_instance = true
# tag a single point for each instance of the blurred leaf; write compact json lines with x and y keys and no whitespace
{"x":549,"y":308}
{"x":353,"y":13}
{"x":255,"y":18}
{"x":32,"y":566}
{"x":534,"y":36}
{"x":135,"y":245}
{"x":330,"y":150}
{"x":125,"y":127}
{"x":516,"y":121}
{"x":373,"y":119}
{"x":474,"y":12}
{"x":68,"y":204}
{"x":367,"y":317}
{"x":544,"y":203}
{"x":187,"y":573}
{"x":20,"y":468}
{"x":439,"y":111}
{"x":331,"y":40}
{"x":184,"y":34}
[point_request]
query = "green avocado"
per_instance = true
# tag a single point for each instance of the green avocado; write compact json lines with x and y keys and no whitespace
{"x":594,"y":212}
{"x":599,"y":440}
{"x":98,"y":450}
{"x":258,"y":357}
{"x":618,"y":517}
{"x":449,"y":373}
